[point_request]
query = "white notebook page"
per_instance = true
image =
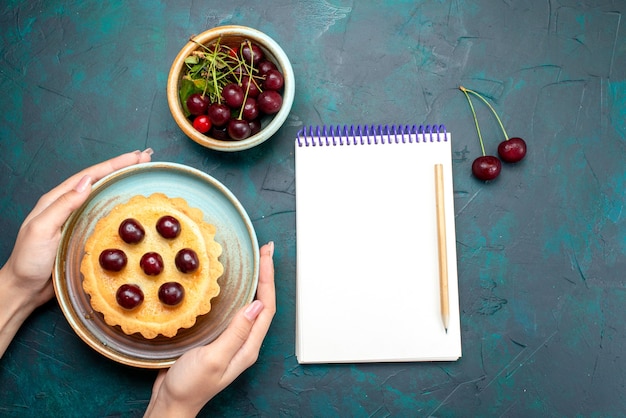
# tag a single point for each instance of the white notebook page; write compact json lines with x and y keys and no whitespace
{"x":367,"y":259}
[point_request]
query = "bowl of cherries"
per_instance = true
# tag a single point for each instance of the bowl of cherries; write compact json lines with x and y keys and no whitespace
{"x":230,"y":88}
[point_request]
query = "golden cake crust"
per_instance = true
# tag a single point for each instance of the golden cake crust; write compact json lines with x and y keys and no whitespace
{"x":152,"y":317}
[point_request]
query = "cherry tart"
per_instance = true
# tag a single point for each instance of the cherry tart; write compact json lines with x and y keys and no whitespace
{"x":151,"y":266}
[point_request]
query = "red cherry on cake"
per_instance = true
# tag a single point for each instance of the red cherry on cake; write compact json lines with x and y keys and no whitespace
{"x":112,"y":259}
{"x":151,"y":263}
{"x":186,"y":260}
{"x":512,"y":150}
{"x":171,"y":293}
{"x":131,"y":231}
{"x":168,"y":227}
{"x":129,"y":296}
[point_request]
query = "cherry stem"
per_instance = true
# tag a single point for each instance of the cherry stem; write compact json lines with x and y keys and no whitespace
{"x":480,"y":137}
{"x":217,"y":65}
{"x":249,"y":70}
{"x":212,"y":73}
{"x":506,"y":137}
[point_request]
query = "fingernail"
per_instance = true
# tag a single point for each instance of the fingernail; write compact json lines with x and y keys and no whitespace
{"x":253,"y":310}
{"x":148,"y":151}
{"x":83,"y":184}
{"x":270,"y":247}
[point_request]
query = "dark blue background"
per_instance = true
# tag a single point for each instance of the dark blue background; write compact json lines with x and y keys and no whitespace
{"x":541,"y":250}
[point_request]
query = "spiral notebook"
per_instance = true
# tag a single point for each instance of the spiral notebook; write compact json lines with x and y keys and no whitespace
{"x":368,"y":287}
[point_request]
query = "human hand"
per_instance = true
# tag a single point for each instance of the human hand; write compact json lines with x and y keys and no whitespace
{"x":202,"y":372}
{"x":26,"y":275}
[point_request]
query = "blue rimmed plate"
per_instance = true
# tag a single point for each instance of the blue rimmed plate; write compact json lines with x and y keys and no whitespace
{"x":235,"y":233}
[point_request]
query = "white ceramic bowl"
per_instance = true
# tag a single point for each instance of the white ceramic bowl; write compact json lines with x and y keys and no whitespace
{"x":231,"y":34}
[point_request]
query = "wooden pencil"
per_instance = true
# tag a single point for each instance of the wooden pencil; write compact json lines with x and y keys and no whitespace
{"x":442,"y":246}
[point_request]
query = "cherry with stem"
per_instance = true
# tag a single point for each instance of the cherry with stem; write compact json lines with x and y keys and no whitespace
{"x":485,"y":167}
{"x":510,"y":150}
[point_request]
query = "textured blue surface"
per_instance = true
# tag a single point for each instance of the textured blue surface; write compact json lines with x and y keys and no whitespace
{"x":541,"y":251}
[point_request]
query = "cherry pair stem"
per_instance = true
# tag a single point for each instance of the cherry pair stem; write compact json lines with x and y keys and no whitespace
{"x":480,"y":137}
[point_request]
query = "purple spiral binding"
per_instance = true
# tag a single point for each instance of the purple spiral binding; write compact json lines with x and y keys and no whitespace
{"x":312,"y":136}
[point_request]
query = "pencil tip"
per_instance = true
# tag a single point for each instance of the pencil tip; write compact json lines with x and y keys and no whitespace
{"x":446,"y":330}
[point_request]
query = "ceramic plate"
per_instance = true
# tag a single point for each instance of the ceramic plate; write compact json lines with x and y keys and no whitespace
{"x":235,"y":233}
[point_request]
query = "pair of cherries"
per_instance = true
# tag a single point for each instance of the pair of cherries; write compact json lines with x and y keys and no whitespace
{"x":511,"y":150}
